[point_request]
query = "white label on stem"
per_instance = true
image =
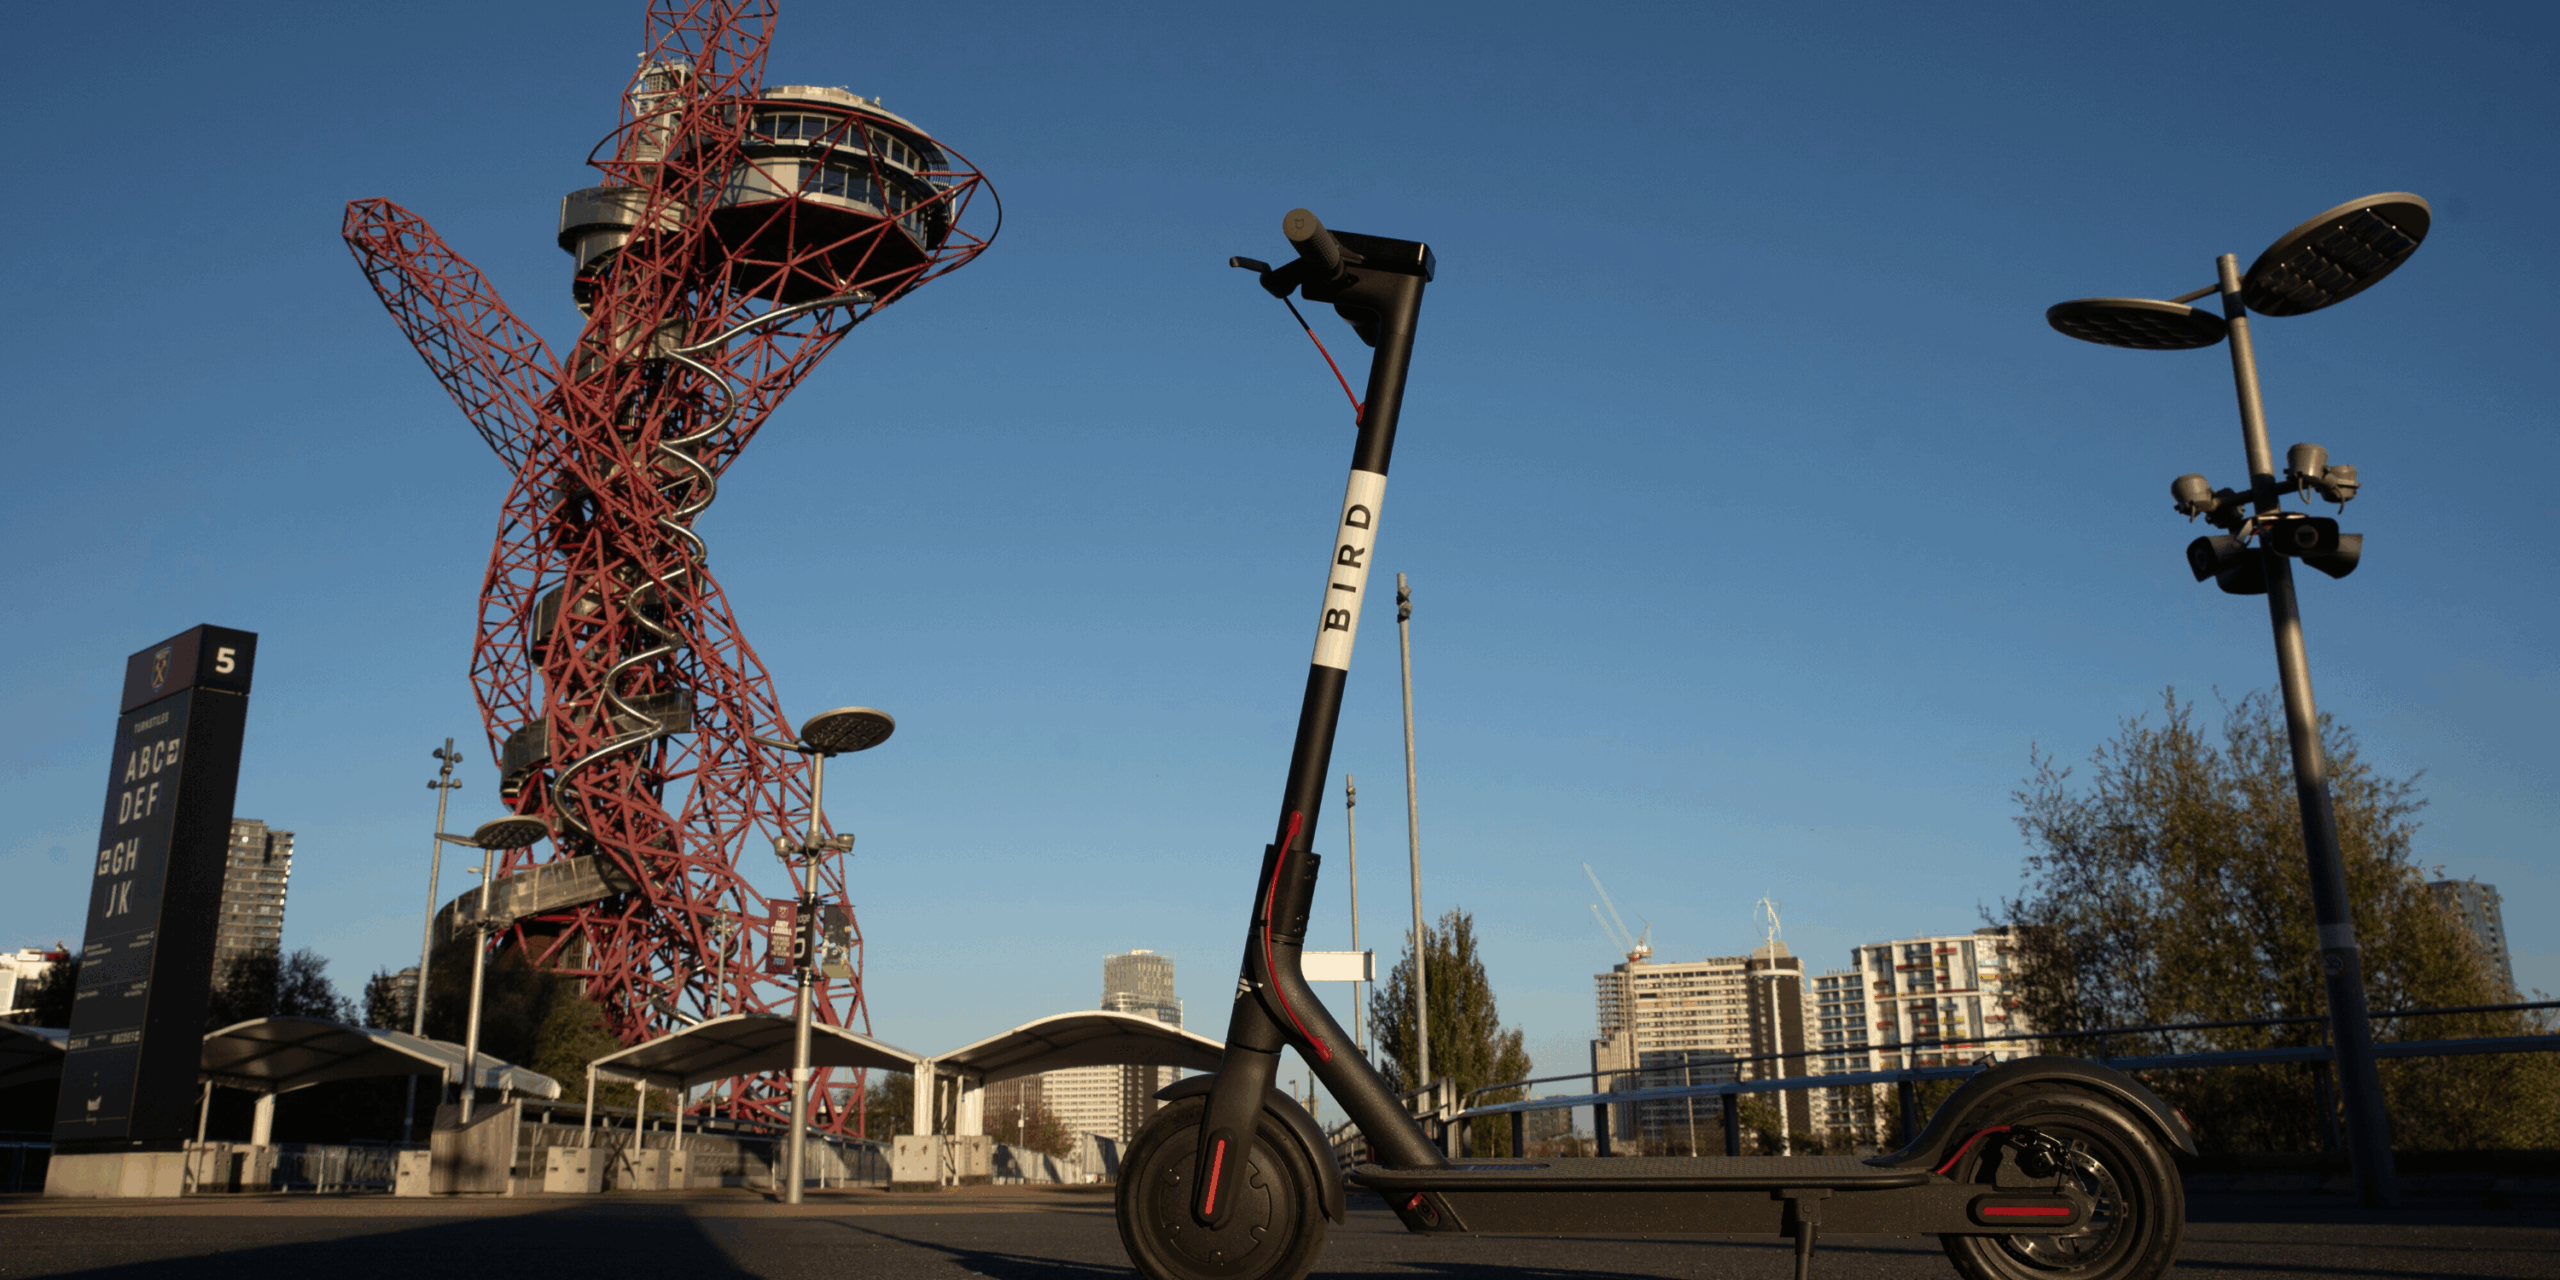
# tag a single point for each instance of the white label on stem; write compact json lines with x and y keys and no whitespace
{"x":1347,"y":576}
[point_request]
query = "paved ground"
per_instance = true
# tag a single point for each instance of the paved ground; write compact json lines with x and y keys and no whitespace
{"x":1051,"y":1234}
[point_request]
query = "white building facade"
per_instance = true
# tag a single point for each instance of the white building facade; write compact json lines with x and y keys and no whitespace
{"x":1928,"y":1001}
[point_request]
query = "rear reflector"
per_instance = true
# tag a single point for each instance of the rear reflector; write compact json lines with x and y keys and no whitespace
{"x":2026,"y":1210}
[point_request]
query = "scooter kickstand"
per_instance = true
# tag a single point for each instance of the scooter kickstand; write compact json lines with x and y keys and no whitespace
{"x":1804,"y":1221}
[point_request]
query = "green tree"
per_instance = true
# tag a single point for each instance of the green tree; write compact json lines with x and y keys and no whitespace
{"x":1468,"y":1044}
{"x":572,"y":1035}
{"x":262,"y":984}
{"x":385,"y":1005}
{"x":303,"y":989}
{"x":889,"y":1105}
{"x":244,"y":987}
{"x":2172,"y":887}
{"x":530,"y":1016}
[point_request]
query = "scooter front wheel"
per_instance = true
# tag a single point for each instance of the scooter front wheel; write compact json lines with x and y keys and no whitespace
{"x":2138,"y":1206}
{"x":1273,"y":1231}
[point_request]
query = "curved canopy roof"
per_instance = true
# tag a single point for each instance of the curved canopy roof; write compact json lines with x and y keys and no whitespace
{"x":29,"y":1054}
{"x":1089,"y":1038}
{"x":279,"y":1055}
{"x":743,"y":1044}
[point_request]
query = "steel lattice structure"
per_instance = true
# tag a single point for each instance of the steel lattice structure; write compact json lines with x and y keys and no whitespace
{"x":738,"y":235}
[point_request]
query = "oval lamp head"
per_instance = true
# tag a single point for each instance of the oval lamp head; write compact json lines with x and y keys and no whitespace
{"x":516,"y":831}
{"x":2139,"y":323}
{"x":847,"y":729}
{"x":2337,"y":255}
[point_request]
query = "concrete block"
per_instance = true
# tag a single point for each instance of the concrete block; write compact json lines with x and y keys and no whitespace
{"x":915,"y":1162}
{"x":414,"y":1174}
{"x":473,"y":1159}
{"x":256,"y":1167}
{"x":212,"y":1169}
{"x":973,"y":1159}
{"x":679,"y":1170}
{"x":640,"y":1170}
{"x":117,"y":1175}
{"x":571,"y":1170}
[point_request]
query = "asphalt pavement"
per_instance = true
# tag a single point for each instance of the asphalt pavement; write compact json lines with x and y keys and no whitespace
{"x":1023,"y":1233}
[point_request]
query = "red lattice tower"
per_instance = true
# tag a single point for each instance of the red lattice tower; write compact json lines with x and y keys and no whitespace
{"x":739,"y":234}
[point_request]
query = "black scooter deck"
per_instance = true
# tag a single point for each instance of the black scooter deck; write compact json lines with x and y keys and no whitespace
{"x":1645,"y":1173}
{"x":1758,"y":1195}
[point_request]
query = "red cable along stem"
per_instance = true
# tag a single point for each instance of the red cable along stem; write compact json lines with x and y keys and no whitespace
{"x":1356,"y":408}
{"x":1270,"y":905}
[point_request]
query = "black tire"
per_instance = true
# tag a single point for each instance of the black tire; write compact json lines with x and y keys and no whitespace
{"x":1273,"y":1232}
{"x":2114,"y":1157}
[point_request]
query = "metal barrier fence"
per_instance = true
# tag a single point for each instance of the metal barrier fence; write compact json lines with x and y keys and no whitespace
{"x":729,"y":1155}
{"x":319,"y":1167}
{"x":2405,"y":1062}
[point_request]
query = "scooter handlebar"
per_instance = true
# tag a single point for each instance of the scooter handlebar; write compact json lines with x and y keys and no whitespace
{"x":1316,"y":246}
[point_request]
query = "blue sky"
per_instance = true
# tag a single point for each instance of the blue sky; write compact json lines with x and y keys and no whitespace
{"x":1759,"y":527}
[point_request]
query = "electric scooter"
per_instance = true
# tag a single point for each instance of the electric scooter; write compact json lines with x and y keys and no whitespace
{"x":2035,"y":1169}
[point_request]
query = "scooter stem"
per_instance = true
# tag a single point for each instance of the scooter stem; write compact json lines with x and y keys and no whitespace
{"x":1377,"y":285}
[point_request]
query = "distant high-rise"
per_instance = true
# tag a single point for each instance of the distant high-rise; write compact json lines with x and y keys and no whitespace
{"x":404,"y":999}
{"x":253,"y":889}
{"x":2476,"y":906}
{"x":1115,"y":1101}
{"x":1678,"y":1023}
{"x":1141,"y":982}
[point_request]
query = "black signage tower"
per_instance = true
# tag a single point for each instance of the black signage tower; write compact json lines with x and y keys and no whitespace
{"x":137,"y":1028}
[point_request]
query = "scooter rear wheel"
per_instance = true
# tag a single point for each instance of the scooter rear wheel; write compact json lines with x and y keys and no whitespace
{"x":2113,"y":1157}
{"x":1273,"y":1231}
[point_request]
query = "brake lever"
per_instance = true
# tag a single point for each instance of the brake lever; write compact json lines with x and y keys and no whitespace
{"x":1279,"y":282}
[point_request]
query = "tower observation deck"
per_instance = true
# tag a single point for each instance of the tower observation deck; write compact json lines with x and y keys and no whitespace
{"x":828,"y":187}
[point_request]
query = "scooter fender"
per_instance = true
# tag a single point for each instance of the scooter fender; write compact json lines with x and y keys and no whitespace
{"x":1296,"y":1120}
{"x":1951,"y":1125}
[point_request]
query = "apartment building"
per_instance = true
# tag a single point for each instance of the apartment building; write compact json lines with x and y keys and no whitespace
{"x":2476,"y":906}
{"x":254,"y":879}
{"x":1698,"y":1022}
{"x":1926,"y":1001}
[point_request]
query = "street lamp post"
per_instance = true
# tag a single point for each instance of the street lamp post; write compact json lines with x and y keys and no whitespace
{"x":1413,"y":839}
{"x":444,"y":785}
{"x":822,"y":736}
{"x":2324,"y":261}
{"x":1351,"y":842}
{"x":514,"y":832}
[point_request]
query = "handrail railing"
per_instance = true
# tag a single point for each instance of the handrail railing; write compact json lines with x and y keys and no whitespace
{"x":1956,"y":1070}
{"x":1966,"y":1042}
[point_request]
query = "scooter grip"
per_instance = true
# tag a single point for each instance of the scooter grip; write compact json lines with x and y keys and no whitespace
{"x":1315,"y":245}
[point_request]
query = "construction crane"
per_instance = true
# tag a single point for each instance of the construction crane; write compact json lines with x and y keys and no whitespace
{"x":1636,"y":946}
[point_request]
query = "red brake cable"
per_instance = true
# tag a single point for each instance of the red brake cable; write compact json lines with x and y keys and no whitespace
{"x":1968,"y":1146}
{"x":1356,"y":409}
{"x":1270,"y":964}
